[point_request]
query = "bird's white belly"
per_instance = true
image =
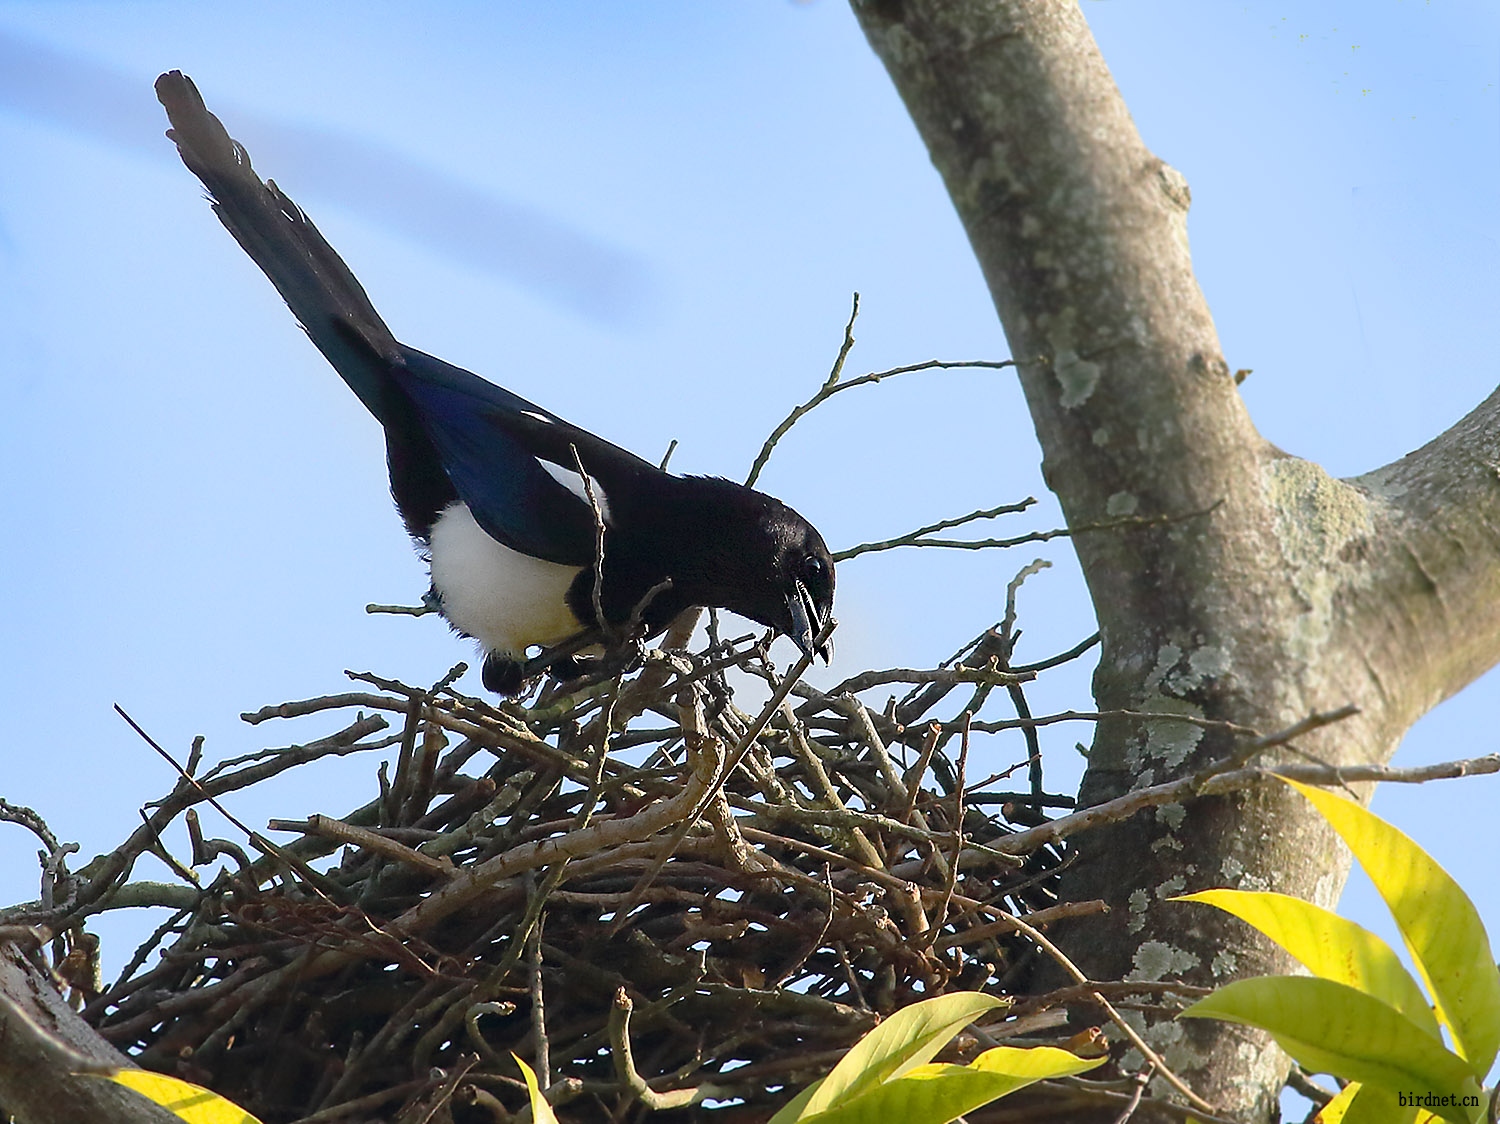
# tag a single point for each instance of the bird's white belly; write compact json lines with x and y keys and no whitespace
{"x":506,"y":600}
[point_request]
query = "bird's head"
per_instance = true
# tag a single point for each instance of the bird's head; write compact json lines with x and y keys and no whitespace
{"x":799,"y":603}
{"x":751,"y":554}
{"x":809,"y":596}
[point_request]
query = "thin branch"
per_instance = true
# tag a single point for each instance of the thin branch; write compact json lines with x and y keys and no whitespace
{"x":1140,"y":1081}
{"x":827,"y":388}
{"x":949,"y":675}
{"x":916,"y":539}
{"x":350,"y":835}
{"x":402,"y":610}
{"x":1061,"y":959}
{"x":958,"y":831}
{"x":1061,"y":658}
{"x":1341,"y":775}
{"x":598,"y":592}
{"x":543,"y":1057}
{"x":999,"y":725}
{"x":624,"y":1059}
{"x":23,"y":816}
{"x":1299,"y":1080}
{"x":315,"y":881}
{"x":909,"y":539}
{"x":832,"y":386}
{"x":1212,"y":778}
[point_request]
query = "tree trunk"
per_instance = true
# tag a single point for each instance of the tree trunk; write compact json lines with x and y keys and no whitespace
{"x":1275,"y":590}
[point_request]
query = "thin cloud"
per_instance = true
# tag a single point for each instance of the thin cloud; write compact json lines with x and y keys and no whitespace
{"x":520,"y":243}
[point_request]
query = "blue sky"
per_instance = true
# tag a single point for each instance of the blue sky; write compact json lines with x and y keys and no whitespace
{"x":649,"y":218}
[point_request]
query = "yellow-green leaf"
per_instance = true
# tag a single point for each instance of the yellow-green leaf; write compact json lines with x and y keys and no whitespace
{"x":1335,"y":1110}
{"x":1332,"y":1028}
{"x":1329,"y":946}
{"x":937,"y":1094}
{"x":193,"y":1103}
{"x":791,"y":1112}
{"x":1437,"y":920}
{"x":541,"y":1111}
{"x":1365,"y":1104}
{"x":907,"y":1039}
{"x":1033,"y":1063}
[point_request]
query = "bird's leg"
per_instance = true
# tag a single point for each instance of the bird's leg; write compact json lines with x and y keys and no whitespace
{"x":620,"y":658}
{"x":719,"y":695}
{"x":565,"y":668}
{"x":561,"y":660}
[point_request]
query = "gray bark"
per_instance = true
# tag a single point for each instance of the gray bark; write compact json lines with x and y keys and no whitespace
{"x":1292,"y":592}
{"x":45,"y":1049}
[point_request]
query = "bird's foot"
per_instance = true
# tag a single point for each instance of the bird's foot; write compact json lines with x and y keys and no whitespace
{"x":503,"y":675}
{"x":510,"y":677}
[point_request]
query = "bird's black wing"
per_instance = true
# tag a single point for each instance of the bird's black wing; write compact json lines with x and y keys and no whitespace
{"x":492,"y":444}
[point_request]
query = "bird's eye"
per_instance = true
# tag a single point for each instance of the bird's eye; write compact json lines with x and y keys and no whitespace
{"x":812,"y":567}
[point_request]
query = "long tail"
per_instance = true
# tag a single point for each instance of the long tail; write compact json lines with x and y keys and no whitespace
{"x":313,"y":280}
{"x":323,"y":295}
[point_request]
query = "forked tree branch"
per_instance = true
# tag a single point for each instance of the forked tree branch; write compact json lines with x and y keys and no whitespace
{"x":1297,"y":593}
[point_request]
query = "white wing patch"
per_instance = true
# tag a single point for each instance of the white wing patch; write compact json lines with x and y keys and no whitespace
{"x":539,"y":417}
{"x":573,"y":482}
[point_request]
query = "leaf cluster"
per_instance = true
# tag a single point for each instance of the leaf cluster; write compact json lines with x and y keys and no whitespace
{"x":1361,"y":1015}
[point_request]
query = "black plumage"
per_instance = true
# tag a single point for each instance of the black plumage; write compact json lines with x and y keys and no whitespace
{"x":489,"y":483}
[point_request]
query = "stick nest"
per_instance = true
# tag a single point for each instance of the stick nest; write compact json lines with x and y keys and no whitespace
{"x":659,"y":899}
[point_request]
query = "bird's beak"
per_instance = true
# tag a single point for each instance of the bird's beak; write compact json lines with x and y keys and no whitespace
{"x":805,"y":622}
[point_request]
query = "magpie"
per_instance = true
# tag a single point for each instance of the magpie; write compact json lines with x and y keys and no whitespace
{"x":508,"y":502}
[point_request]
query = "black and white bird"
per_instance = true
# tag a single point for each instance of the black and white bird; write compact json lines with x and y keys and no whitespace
{"x":503,"y":497}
